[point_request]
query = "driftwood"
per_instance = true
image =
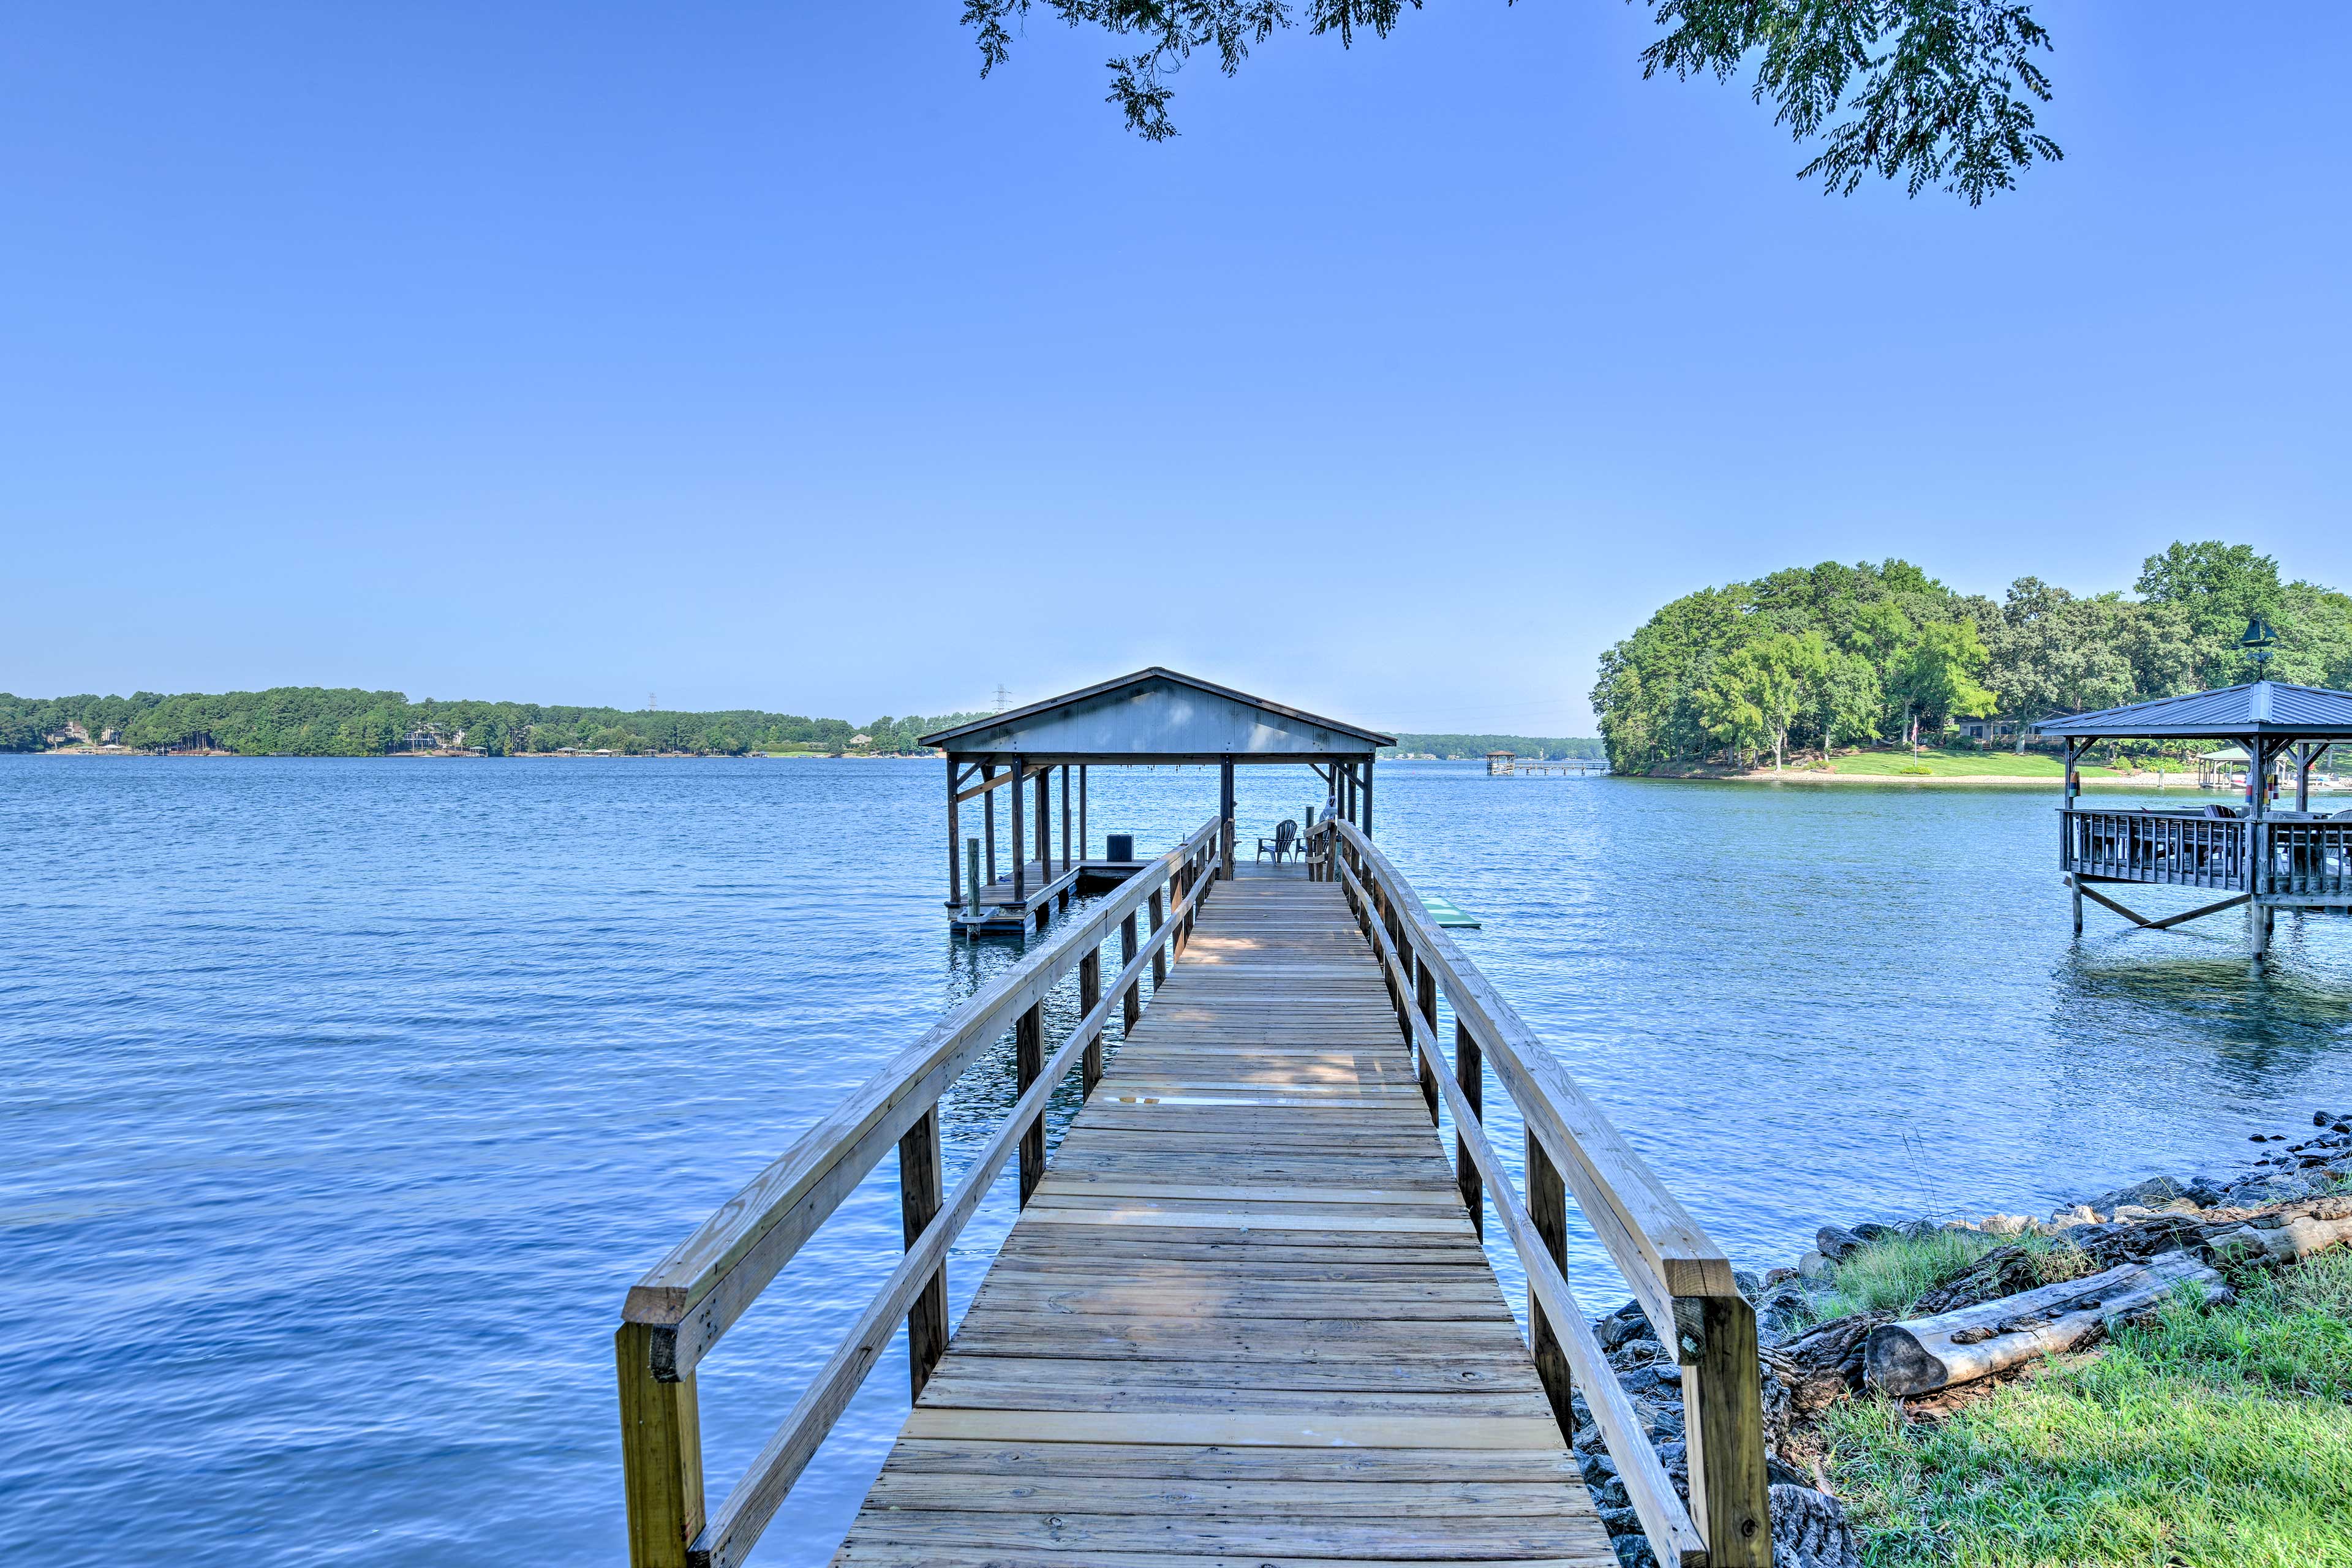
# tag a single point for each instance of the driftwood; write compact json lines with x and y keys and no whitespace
{"x":1924,"y":1354}
{"x":1824,"y":1365}
{"x":2292,"y":1242}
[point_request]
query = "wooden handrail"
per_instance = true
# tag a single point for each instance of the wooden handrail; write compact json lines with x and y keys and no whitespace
{"x":1651,"y":1237}
{"x":1663,"y":1518}
{"x":677,"y":1312}
{"x":1682,"y":1280}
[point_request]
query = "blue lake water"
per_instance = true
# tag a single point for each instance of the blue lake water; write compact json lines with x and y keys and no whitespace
{"x":345,"y":1098}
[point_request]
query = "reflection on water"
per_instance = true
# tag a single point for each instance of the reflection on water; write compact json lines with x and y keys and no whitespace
{"x":345,"y":1098}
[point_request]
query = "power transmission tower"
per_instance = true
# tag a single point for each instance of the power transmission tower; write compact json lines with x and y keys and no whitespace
{"x":1004,"y":698}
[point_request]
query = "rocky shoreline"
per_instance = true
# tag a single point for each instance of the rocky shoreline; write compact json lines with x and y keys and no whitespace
{"x":2295,"y":1199}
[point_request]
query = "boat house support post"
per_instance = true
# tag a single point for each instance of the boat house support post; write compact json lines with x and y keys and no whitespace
{"x":1066,"y":861}
{"x":988,"y":819}
{"x":1367,"y":824}
{"x":1020,"y":849}
{"x":955,"y":845}
{"x":1086,"y":839}
{"x":1225,"y":817}
{"x":2075,"y":750}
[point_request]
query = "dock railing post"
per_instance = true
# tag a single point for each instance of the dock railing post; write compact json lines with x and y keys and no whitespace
{"x":972,"y":866}
{"x":1028,"y":1062}
{"x":661,"y":1454}
{"x":1425,"y":987}
{"x":1723,"y":1402}
{"x":1158,"y":906}
{"x":922,"y":1188}
{"x":1090,"y":993}
{"x":1548,"y":1212}
{"x":1469,"y":1071}
{"x":1130,"y":1004}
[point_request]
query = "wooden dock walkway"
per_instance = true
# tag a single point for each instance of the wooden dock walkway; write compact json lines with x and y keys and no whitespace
{"x":1244,"y":1317}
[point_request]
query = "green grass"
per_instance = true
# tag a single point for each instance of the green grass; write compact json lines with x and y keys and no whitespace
{"x":2219,"y":1437}
{"x":1976,"y":764}
{"x":1893,"y":1273}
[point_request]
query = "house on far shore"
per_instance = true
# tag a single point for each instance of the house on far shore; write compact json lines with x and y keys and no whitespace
{"x":1989,"y":730}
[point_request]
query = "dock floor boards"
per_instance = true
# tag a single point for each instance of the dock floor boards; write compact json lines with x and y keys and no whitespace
{"x":1244,"y":1320}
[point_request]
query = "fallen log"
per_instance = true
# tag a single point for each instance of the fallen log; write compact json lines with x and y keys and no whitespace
{"x":2292,"y":1242}
{"x":1927,"y":1353}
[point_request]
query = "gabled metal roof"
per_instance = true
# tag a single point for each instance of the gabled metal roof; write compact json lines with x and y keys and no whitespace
{"x":2270,"y":708}
{"x":1155,"y":714}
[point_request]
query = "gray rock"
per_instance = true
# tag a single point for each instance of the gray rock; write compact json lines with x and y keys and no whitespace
{"x":1750,"y":1284}
{"x":1633,"y":1551}
{"x":1836,"y":1243}
{"x":1611,"y":1493}
{"x":2324,"y":1118}
{"x":1870,"y":1230}
{"x":1625,"y":1325}
{"x":1622,"y":1521}
{"x":1812,"y":1266}
{"x":1597,"y":1468}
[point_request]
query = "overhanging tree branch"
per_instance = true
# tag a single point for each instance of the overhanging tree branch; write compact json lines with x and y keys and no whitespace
{"x":1932,"y":92}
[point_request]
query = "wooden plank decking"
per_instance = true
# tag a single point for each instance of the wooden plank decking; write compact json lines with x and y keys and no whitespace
{"x":1244,"y":1320}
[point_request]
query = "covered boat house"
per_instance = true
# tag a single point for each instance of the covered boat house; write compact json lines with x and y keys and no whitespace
{"x":2254,"y":853}
{"x":1153,"y":717}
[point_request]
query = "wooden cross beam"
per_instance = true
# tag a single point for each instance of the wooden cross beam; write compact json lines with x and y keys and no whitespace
{"x":2169,"y":921}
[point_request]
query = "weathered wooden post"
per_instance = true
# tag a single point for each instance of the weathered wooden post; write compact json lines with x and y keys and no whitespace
{"x":1469,"y":1071}
{"x":1225,"y":817}
{"x":1089,"y":994}
{"x":1368,"y":797}
{"x":1067,"y":861}
{"x":988,"y":815}
{"x":922,"y":1188}
{"x":1158,"y":906}
{"x":661,"y":1454}
{"x":1722,"y":1405}
{"x":1048,"y":864}
{"x":2259,"y":754}
{"x":1425,"y":988}
{"x":971,"y":865}
{"x":1130,"y":1004}
{"x":1020,"y":849}
{"x":2074,"y":749}
{"x":955,"y":879}
{"x":1028,"y":1063}
{"x":1086,"y":839}
{"x":1548,"y":1212}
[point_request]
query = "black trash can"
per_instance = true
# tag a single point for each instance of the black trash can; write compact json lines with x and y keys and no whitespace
{"x":1118,"y":847}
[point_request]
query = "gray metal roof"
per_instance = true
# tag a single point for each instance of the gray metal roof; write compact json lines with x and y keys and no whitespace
{"x":1158,"y":714}
{"x":2259,"y":708}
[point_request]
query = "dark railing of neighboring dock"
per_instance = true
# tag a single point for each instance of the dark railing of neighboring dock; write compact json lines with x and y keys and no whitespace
{"x":2281,"y":859}
{"x":1682,"y":1280}
{"x":677,"y":1312}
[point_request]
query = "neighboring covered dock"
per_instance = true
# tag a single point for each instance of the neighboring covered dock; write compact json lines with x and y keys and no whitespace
{"x":2255,"y":854}
{"x":1154,"y":717}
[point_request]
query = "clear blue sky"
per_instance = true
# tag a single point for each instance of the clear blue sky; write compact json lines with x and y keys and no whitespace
{"x":759,"y":353}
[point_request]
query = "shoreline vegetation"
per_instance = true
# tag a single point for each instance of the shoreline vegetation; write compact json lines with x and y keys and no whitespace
{"x":320,"y":721}
{"x":2161,"y":1373}
{"x":1831,"y":661}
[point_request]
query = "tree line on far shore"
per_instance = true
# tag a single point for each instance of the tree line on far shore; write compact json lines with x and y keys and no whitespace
{"x":316,"y":721}
{"x":1473,"y":748}
{"x":1832,"y":655}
